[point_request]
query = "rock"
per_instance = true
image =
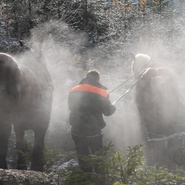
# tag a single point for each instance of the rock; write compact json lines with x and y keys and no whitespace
{"x":24,"y":177}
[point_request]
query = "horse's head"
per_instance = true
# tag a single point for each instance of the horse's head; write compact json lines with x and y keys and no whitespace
{"x":140,"y":62}
{"x":9,"y":76}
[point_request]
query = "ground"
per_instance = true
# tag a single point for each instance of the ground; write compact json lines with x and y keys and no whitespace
{"x":23,"y":177}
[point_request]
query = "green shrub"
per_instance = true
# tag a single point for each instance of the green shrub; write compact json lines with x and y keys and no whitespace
{"x":115,"y":168}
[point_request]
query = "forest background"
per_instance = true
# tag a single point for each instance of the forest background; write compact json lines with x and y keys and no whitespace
{"x":78,"y":35}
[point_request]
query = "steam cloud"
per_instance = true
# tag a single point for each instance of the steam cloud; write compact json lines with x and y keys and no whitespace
{"x":60,"y":46}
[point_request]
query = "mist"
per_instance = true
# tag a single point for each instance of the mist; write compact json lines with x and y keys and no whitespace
{"x":60,"y":48}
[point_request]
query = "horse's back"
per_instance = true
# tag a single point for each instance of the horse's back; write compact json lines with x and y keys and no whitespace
{"x":157,"y":100}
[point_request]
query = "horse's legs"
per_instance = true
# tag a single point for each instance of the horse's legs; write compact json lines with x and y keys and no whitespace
{"x":5,"y":132}
{"x":21,"y":149}
{"x":38,"y":157}
{"x":160,"y":154}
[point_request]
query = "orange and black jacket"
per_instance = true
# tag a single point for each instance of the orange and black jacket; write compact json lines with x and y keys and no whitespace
{"x":88,"y":102}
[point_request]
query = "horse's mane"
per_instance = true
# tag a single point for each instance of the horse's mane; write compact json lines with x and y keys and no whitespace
{"x":8,"y":62}
{"x":141,"y":61}
{"x":10,"y":74}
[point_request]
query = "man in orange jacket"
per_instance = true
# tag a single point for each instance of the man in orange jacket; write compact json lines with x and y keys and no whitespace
{"x":88,"y":102}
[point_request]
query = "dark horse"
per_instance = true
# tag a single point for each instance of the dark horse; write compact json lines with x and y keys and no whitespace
{"x":158,"y":101}
{"x":25,"y":102}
